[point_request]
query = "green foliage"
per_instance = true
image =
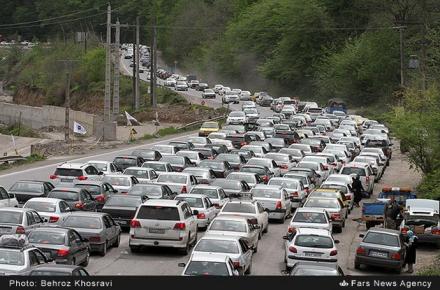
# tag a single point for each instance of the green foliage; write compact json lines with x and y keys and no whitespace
{"x":19,"y":130}
{"x":432,"y":270}
{"x":429,"y":187}
{"x":28,"y":160}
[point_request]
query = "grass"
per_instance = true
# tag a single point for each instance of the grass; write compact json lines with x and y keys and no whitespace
{"x":28,"y":160}
{"x":169,"y":131}
{"x":17,"y":130}
{"x":432,"y":270}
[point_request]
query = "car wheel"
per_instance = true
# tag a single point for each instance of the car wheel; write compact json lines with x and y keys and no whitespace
{"x":266,"y":229}
{"x":118,"y":241}
{"x":103,"y":251}
{"x":73,"y":262}
{"x":357,"y":266}
{"x":185,"y":251}
{"x":134,"y":249}
{"x":249,"y":269}
{"x":85,"y":263}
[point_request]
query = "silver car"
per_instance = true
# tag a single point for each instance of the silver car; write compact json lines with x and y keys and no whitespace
{"x":310,"y":218}
{"x":274,"y":199}
{"x":252,"y":179}
{"x":52,"y":210}
{"x":18,"y":220}
{"x":294,"y":187}
{"x":143,"y":174}
{"x":203,"y":175}
{"x":215,"y":194}
{"x":206,"y":211}
{"x":120,"y":182}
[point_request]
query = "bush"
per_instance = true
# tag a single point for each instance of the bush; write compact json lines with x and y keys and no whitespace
{"x":21,"y":131}
{"x":429,"y":187}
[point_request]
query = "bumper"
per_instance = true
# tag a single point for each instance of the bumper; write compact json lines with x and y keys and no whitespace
{"x":123,"y":223}
{"x":295,"y":203}
{"x":378,"y":262}
{"x":292,"y":260}
{"x":202,"y":223}
{"x":277,"y":214}
{"x":337,"y":224}
{"x":428,"y":238}
{"x":158,"y":243}
{"x":95,"y":247}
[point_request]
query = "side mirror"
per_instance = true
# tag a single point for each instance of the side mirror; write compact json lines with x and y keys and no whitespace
{"x":45,"y":220}
{"x":182,"y":265}
{"x":115,"y":191}
{"x":195,"y":212}
{"x":11,"y":195}
{"x":336,"y":241}
{"x":285,"y":237}
{"x":101,"y":173}
{"x":361,"y":235}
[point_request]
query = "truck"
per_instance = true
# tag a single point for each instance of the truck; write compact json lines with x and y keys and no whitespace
{"x":373,"y":212}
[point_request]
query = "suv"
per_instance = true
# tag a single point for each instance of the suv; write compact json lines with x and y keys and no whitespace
{"x":69,"y":172}
{"x":21,"y":257}
{"x":164,"y":223}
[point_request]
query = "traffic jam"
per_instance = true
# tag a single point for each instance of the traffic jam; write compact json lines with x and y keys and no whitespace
{"x":211,"y":197}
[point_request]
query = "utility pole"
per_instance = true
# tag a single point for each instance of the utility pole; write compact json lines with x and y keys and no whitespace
{"x":107,"y":94}
{"x":67,"y":108}
{"x":153,"y":63}
{"x":137,"y":92}
{"x":133,"y":74}
{"x":402,"y":80}
{"x":116,"y":70}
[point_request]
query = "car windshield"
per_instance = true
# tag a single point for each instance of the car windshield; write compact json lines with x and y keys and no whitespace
{"x":314,"y":241}
{"x":227,"y":184}
{"x":155,"y":166}
{"x":255,"y":149}
{"x":353,"y":170}
{"x":324,"y":203}
{"x":211,"y":193}
{"x":242,"y":177}
{"x":124,"y":161}
{"x":41,"y":206}
{"x":176,"y":160}
{"x":27,"y":187}
{"x":266,"y":193}
{"x":236,"y":114}
{"x":382,"y":239}
{"x":83,"y":222}
{"x":47,"y":237}
{"x":285,"y":183}
{"x":92,"y":188}
{"x":123,"y":201}
{"x":117,"y":180}
{"x":146,"y":189}
{"x":11,"y":217}
{"x":217,"y":246}
{"x":101,"y":166}
{"x":228,"y":226}
{"x":163,"y":213}
{"x":309,"y":165}
{"x":192,"y":201}
{"x":239,"y":207}
{"x":11,"y":257}
{"x":189,"y":154}
{"x":199,"y":268}
{"x":231,"y":158}
{"x":64,"y":195}
{"x":139,"y":173}
{"x":172,"y":178}
{"x":310,"y":217}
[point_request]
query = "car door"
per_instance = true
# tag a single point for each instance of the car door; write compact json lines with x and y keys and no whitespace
{"x":90,"y":201}
{"x":92,"y":173}
{"x":4,"y":202}
{"x":74,"y":248}
{"x":80,"y":246}
{"x":209,"y":208}
{"x":189,"y":218}
{"x":246,"y":254}
{"x":38,"y":219}
{"x":287,"y":201}
{"x":31,"y":222}
{"x":65,"y":210}
{"x":107,"y":230}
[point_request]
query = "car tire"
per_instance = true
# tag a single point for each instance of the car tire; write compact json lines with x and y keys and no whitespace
{"x":357,"y":266}
{"x":266,"y":230}
{"x":117,"y":241}
{"x":249,"y":269}
{"x":134,"y":249}
{"x":185,"y":251}
{"x":103,"y":251}
{"x":85,"y":263}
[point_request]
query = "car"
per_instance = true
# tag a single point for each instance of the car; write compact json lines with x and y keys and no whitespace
{"x":316,"y":145}
{"x":221,"y":168}
{"x":315,"y":268}
{"x":274,"y":199}
{"x":18,"y":257}
{"x":202,"y":87}
{"x":325,"y":169}
{"x":142,"y":174}
{"x":373,"y":161}
{"x":181,"y":86}
{"x":217,"y":88}
{"x":262,"y":171}
{"x":237,"y":117}
{"x":252,"y":179}
{"x":331,"y":193}
{"x":309,"y":244}
{"x":125,"y":161}
{"x":250,"y":209}
{"x":284,"y":161}
{"x":51,"y":210}
{"x":203,"y":264}
{"x":122,"y":208}
{"x":19,"y":220}
{"x":63,"y":245}
{"x":235,"y":160}
{"x":98,"y":228}
{"x":296,"y":154}
{"x":105,"y":166}
{"x":304,"y":178}
{"x":181,"y":145}
{"x":318,"y":168}
{"x":305,"y":148}
{"x":78,"y":199}
{"x":165,"y":150}
{"x":208,"y":94}
{"x":230,"y":97}
{"x":205,"y":208}
{"x":336,"y":209}
{"x":365,"y":173}
{"x":152,"y":191}
{"x":310,"y":218}
{"x":247,"y":104}
{"x":7,"y":199}
{"x":215,"y":194}
{"x":178,"y":182}
{"x":24,"y":190}
{"x":194,"y":156}
{"x":69,"y":172}
{"x":232,"y":188}
{"x":208,"y":127}
{"x":121,"y":182}
{"x":269,"y":163}
{"x":344,"y":188}
{"x":58,"y":270}
{"x":294,"y":188}
{"x":199,"y":141}
{"x":203,"y":175}
{"x":381,"y":248}
{"x":158,"y":166}
{"x":147,"y":154}
{"x":218,"y":135}
{"x":224,"y":146}
{"x":193,"y":84}
{"x":257,"y":150}
{"x":237,"y":248}
{"x":100,"y":191}
{"x":163,"y":223}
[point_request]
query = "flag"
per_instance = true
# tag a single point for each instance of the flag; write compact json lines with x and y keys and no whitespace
{"x":131,"y":120}
{"x":78,"y":128}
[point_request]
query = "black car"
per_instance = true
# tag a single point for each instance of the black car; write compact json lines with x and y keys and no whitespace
{"x":63,"y":245}
{"x":78,"y":199}
{"x":58,"y":270}
{"x":221,"y":168}
{"x":239,"y":140}
{"x":152,"y":190}
{"x":27,"y":189}
{"x":122,"y":208}
{"x":235,"y":160}
{"x":100,"y":190}
{"x":147,"y":154}
{"x":123,"y":162}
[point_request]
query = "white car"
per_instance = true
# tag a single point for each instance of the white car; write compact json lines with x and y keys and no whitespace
{"x":269,"y":163}
{"x":170,"y":82}
{"x":206,"y":209}
{"x":217,"y":88}
{"x":274,"y":199}
{"x":310,"y":244}
{"x":365,"y":173}
{"x":68,"y":173}
{"x":203,"y":264}
{"x":227,"y":143}
{"x":245,"y":95}
{"x":166,"y":149}
{"x":105,"y":166}
{"x":310,"y":218}
{"x":215,"y":194}
{"x":259,"y":151}
{"x":6,"y":199}
{"x":230,"y":97}
{"x":194,"y":156}
{"x":236,"y":117}
{"x":178,"y":182}
{"x":181,"y":86}
{"x":52,"y":210}
{"x":295,"y":189}
{"x":120,"y":182}
{"x":143,"y":174}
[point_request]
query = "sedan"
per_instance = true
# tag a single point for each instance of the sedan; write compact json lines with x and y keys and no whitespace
{"x":220,"y":168}
{"x":208,"y":264}
{"x":64,"y":246}
{"x":252,"y":179}
{"x":310,"y":218}
{"x":105,"y":167}
{"x":284,"y":161}
{"x":262,"y":171}
{"x":178,"y":163}
{"x":122,"y":208}
{"x":294,"y":188}
{"x":18,"y":220}
{"x":152,"y":191}
{"x":201,"y":203}
{"x":52,"y":210}
{"x":312,"y":268}
{"x":274,"y":199}
{"x":333,"y":206}
{"x":143,"y":174}
{"x":58,"y":270}
{"x":147,"y":154}
{"x":100,"y":190}
{"x":232,"y":188}
{"x":178,"y":182}
{"x":215,"y":194}
{"x":208,"y":94}
{"x":269,"y":163}
{"x":27,"y":189}
{"x":235,"y":160}
{"x":194,"y":156}
{"x":310,"y":245}
{"x":99,"y":228}
{"x":158,"y":166}
{"x":203,"y":175}
{"x":120,"y":182}
{"x":76,"y":198}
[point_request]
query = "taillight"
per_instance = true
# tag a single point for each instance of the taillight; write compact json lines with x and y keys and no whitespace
{"x":82,"y":177}
{"x":183,"y":190}
{"x":396,"y":256}
{"x":100,"y":198}
{"x":54,"y":219}
{"x":236,"y":264}
{"x":265,"y":178}
{"x":201,"y":216}
{"x":284,"y":166}
{"x":291,"y":229}
{"x":63,"y":252}
{"x":53,"y":176}
{"x":292,"y":249}
{"x":333,"y":253}
{"x":79,"y":205}
{"x":435,"y":231}
{"x":135,"y":224}
{"x":336,"y":216}
{"x":294,"y":194}
{"x":20,"y":230}
{"x":404,"y":230}
{"x":278,"y":205}
{"x":348,"y":196}
{"x":360,"y":251}
{"x":95,"y":239}
{"x":180,"y":226}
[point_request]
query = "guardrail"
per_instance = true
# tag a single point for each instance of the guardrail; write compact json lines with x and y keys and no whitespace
{"x":200,"y":122}
{"x":11,"y":158}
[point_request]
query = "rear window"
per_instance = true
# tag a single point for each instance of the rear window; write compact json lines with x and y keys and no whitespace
{"x":117,"y":181}
{"x":137,"y":173}
{"x":27,"y":187}
{"x":266,"y":193}
{"x":163,"y":213}
{"x":310,"y":217}
{"x":324,"y":203}
{"x":231,"y":158}
{"x":64,"y":195}
{"x":83,"y":222}
{"x":196,"y":268}
{"x":239,"y":207}
{"x":155,"y":166}
{"x":10,"y":217}
{"x":41,"y":206}
{"x":217,"y":246}
{"x":100,"y":166}
{"x":43,"y":237}
{"x":314,"y":241}
{"x":164,"y":178}
{"x":124,"y":161}
{"x":242,"y":177}
{"x":123,"y":201}
{"x":144,"y":154}
{"x":11,"y":257}
{"x":286,"y":183}
{"x":382,"y":239}
{"x":211,"y":193}
{"x":353,"y":170}
{"x":227,"y":184}
{"x":68,"y":172}
{"x":93,"y":189}
{"x":256,"y":170}
{"x":228,"y":226}
{"x":141,"y":189}
{"x":173,"y":160}
{"x":261,"y":162}
{"x":192,"y":201}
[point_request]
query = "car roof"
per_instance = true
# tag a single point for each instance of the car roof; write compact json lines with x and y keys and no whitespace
{"x":136,"y":168}
{"x":191,"y":195}
{"x":207,"y":186}
{"x":231,"y":217}
{"x":67,"y":189}
{"x":163,"y":202}
{"x":310,"y":209}
{"x":90,"y":182}
{"x":313,"y":231}
{"x":45,"y":199}
{"x":209,"y":236}
{"x":51,"y":228}
{"x":384,"y":231}
{"x":209,"y":257}
{"x":265,"y":186}
{"x":16,"y":209}
{"x":56,"y":268}
{"x":356,"y":164}
{"x":71,"y":165}
{"x":87,"y":214}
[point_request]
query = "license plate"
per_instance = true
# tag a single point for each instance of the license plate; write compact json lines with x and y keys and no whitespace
{"x":156,"y":231}
{"x":378,"y":254}
{"x":66,"y":180}
{"x":311,"y":254}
